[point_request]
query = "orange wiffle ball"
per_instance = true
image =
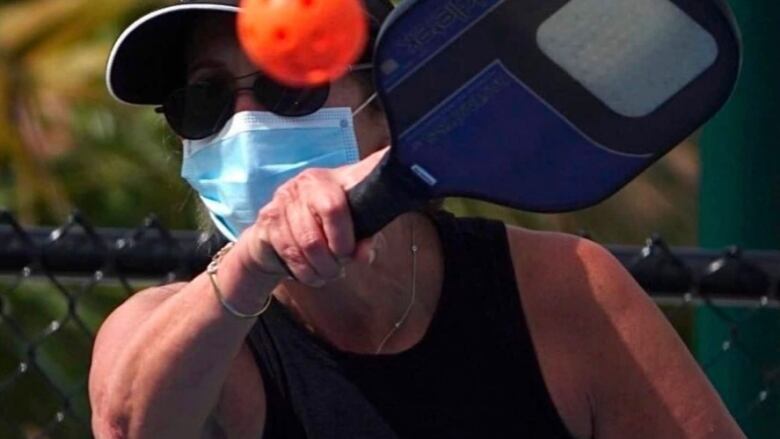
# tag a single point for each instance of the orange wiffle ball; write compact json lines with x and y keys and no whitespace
{"x":303,"y":43}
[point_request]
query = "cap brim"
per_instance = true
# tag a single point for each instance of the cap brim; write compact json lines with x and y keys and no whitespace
{"x":147,"y":60}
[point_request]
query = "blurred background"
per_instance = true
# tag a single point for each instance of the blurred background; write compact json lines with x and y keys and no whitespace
{"x":65,"y":145}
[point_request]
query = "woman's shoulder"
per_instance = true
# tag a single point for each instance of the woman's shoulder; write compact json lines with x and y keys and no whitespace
{"x":129,"y":315}
{"x":606,"y":350}
{"x":555,"y":275}
{"x":563,"y":259}
{"x":142,"y":302}
{"x":572,"y":288}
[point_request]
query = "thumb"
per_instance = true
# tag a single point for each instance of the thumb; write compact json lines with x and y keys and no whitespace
{"x":367,"y":250}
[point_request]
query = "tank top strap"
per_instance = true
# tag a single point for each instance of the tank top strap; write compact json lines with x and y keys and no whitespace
{"x":479,"y":276}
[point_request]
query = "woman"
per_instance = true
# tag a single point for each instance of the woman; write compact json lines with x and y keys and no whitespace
{"x":435,"y":327}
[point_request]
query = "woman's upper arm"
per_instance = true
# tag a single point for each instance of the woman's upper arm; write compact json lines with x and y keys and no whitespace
{"x":240,"y":410}
{"x":650,"y":385}
{"x":115,"y":331}
{"x":640,"y":379}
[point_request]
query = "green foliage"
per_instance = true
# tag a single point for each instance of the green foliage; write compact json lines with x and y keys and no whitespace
{"x":64,"y":143}
{"x":126,"y":167}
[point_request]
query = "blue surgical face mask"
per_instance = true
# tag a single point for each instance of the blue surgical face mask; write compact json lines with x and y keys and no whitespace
{"x":237,"y":171}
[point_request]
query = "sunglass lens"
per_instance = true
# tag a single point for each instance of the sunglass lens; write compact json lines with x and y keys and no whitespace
{"x":287,"y":101}
{"x":198,"y":110}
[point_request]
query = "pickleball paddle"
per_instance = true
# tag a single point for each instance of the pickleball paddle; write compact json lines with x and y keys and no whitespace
{"x":541,"y":105}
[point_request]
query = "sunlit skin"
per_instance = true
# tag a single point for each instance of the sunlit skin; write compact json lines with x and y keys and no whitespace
{"x":613,"y":365}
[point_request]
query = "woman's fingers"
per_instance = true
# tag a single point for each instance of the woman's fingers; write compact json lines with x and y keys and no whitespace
{"x":273,"y":218}
{"x":309,"y":225}
{"x":328,"y":203}
{"x":311,"y":242}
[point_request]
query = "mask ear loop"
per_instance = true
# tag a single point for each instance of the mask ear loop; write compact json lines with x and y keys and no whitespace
{"x":364,"y":104}
{"x":358,"y":68}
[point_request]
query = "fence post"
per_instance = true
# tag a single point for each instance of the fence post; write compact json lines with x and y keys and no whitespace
{"x":740,"y":204}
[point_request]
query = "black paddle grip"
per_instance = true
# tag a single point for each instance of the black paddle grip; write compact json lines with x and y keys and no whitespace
{"x":388,"y":191}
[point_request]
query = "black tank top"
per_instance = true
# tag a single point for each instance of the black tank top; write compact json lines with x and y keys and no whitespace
{"x":473,"y":375}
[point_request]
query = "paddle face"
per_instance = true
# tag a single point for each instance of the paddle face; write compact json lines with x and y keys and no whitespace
{"x":548,"y":105}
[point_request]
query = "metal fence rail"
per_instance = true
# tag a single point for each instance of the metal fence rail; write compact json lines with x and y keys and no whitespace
{"x":57,"y":285}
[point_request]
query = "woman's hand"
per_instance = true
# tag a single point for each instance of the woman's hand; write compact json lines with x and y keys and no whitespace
{"x":309,"y":226}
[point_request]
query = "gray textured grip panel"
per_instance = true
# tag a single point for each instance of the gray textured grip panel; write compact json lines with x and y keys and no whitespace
{"x":633,"y":55}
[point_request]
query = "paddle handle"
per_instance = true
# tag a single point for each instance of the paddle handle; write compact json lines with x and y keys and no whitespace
{"x":390,"y":190}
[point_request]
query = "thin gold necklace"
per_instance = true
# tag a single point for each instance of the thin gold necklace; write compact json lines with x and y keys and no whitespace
{"x":408,"y":310}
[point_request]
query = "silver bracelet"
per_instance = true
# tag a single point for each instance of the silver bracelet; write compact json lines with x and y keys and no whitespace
{"x":212,"y":269}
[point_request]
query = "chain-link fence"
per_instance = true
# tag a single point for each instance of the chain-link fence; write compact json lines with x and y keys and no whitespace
{"x":57,"y":286}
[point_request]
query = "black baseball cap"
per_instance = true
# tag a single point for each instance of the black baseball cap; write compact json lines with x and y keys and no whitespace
{"x":148,"y":59}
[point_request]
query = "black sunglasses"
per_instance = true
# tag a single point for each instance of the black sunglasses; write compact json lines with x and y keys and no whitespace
{"x":201,"y":109}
